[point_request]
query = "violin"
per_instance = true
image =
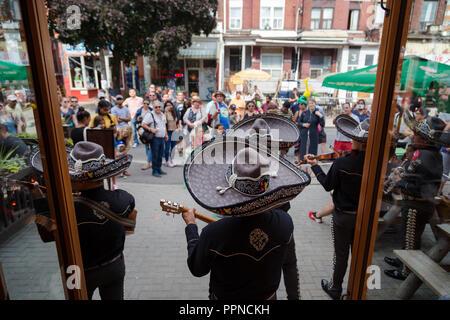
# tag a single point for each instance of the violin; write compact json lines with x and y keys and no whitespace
{"x":327,"y":156}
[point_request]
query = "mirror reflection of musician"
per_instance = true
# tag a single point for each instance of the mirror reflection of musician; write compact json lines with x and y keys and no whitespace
{"x":419,"y":185}
{"x":344,"y":178}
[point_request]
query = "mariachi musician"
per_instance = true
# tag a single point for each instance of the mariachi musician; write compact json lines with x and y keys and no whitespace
{"x":344,"y":178}
{"x":102,"y":236}
{"x":419,"y":184}
{"x":274,"y":131}
{"x":244,"y":252}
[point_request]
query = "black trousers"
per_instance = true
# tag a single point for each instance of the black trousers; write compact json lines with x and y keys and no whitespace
{"x":415,"y":216}
{"x":108,"y":279}
{"x":290,"y":272}
{"x":313,"y":135}
{"x":342,"y":230}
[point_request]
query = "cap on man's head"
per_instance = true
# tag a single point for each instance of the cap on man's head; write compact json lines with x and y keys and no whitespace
{"x":101,"y":95}
{"x":12,"y":97}
{"x":119,"y":96}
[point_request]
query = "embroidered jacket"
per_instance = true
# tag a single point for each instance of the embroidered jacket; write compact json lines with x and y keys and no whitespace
{"x":423,"y":174}
{"x":100,"y":238}
{"x":344,"y":177}
{"x":243,"y":254}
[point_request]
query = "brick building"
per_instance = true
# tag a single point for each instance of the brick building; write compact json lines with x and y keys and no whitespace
{"x":296,"y":39}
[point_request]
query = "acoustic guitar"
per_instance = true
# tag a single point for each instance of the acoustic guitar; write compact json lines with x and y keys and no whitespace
{"x":175,"y":208}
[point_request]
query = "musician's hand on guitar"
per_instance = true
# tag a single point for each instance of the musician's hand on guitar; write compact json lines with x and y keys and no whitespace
{"x":189,"y":216}
{"x":311,"y":159}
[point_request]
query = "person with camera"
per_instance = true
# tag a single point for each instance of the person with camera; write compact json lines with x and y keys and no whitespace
{"x":309,"y":128}
{"x":155,"y":122}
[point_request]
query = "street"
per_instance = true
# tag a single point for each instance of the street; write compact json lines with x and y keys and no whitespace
{"x":156,"y":254}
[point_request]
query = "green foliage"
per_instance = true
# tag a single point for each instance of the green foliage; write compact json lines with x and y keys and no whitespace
{"x":129,"y":28}
{"x":8,"y":164}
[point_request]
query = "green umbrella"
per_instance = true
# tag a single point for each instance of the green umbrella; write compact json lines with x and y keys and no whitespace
{"x":417,"y":74}
{"x":11,"y":71}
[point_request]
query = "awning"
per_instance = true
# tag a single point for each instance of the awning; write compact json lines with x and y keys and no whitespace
{"x":200,"y":50}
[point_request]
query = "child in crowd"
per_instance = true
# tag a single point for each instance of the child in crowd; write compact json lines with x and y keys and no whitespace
{"x":124,"y":143}
{"x":99,"y":123}
{"x":219,"y":131}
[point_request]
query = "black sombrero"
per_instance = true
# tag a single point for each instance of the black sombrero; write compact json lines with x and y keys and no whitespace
{"x":87,"y":162}
{"x":431,"y":129}
{"x":271,"y":127}
{"x":233,"y":177}
{"x":352,"y":129}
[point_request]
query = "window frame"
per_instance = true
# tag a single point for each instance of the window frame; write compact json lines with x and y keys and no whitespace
{"x":322,"y":20}
{"x":233,"y":5}
{"x":423,"y":24}
{"x":271,"y":17}
{"x":350,"y":20}
{"x":271,"y":69}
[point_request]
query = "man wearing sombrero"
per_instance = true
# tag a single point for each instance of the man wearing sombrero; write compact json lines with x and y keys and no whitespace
{"x":245,"y":183}
{"x":344,"y":177}
{"x":102,"y":238}
{"x":275,"y":131}
{"x":419,"y":184}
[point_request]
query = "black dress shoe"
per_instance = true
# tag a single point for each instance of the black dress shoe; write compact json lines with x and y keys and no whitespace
{"x":396,"y":274}
{"x":395,"y":262}
{"x":333,"y":293}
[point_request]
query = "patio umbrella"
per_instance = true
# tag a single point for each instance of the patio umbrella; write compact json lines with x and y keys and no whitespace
{"x":417,"y":74}
{"x":252,"y":74}
{"x":11,"y":71}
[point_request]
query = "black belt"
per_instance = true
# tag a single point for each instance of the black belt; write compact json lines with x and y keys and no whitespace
{"x":104,"y":263}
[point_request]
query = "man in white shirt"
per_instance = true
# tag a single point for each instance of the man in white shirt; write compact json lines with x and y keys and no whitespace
{"x":155,"y":122}
{"x":133,"y":102}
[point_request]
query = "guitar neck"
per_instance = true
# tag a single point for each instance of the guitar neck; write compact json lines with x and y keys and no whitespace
{"x":199,"y":215}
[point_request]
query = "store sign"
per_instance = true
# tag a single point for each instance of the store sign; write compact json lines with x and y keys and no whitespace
{"x":79,"y":48}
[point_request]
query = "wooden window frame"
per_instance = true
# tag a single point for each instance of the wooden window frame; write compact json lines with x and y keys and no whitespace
{"x":390,"y":60}
{"x":51,"y":143}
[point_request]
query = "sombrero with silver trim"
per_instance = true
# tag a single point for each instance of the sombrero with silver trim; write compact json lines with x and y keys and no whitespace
{"x":352,"y":129}
{"x":431,"y":129}
{"x":232,"y":177}
{"x":87,"y":162}
{"x":270,"y":127}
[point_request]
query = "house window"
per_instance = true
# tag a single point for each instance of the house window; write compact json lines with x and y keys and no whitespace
{"x":272,"y":14}
{"x":235,"y":60}
{"x":369,"y":59}
{"x":353,"y":56}
{"x":235,"y":14}
{"x":353,"y":20}
{"x":321,"y":18}
{"x":320,"y":65}
{"x":428,"y":14}
{"x":272,"y":63}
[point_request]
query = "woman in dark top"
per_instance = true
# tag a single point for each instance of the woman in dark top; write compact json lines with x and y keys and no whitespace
{"x":308,"y":123}
{"x":83,"y":118}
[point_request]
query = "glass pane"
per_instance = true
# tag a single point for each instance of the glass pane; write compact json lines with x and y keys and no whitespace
{"x":278,"y":12}
{"x":265,"y":12}
{"x":235,"y":12}
{"x":327,"y":13}
{"x":90,"y":72}
{"x":315,"y":13}
{"x":416,"y":180}
{"x":30,"y":266}
{"x":76,"y":74}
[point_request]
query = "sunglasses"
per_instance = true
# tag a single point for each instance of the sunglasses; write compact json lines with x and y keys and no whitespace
{"x":157,"y":107}
{"x":74,"y":101}
{"x":147,"y":104}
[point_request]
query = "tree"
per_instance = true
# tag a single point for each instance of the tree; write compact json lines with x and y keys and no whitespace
{"x":129,"y":28}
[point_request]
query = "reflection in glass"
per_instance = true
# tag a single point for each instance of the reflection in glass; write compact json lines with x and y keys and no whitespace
{"x":30,"y":266}
{"x":416,"y":193}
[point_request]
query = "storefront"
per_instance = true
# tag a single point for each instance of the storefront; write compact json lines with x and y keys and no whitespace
{"x":195,"y":72}
{"x":198,"y":72}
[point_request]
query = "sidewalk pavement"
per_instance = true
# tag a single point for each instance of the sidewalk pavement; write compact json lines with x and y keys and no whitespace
{"x":156,"y":254}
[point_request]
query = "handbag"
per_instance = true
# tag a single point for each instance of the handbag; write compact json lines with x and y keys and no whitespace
{"x":146,"y":136}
